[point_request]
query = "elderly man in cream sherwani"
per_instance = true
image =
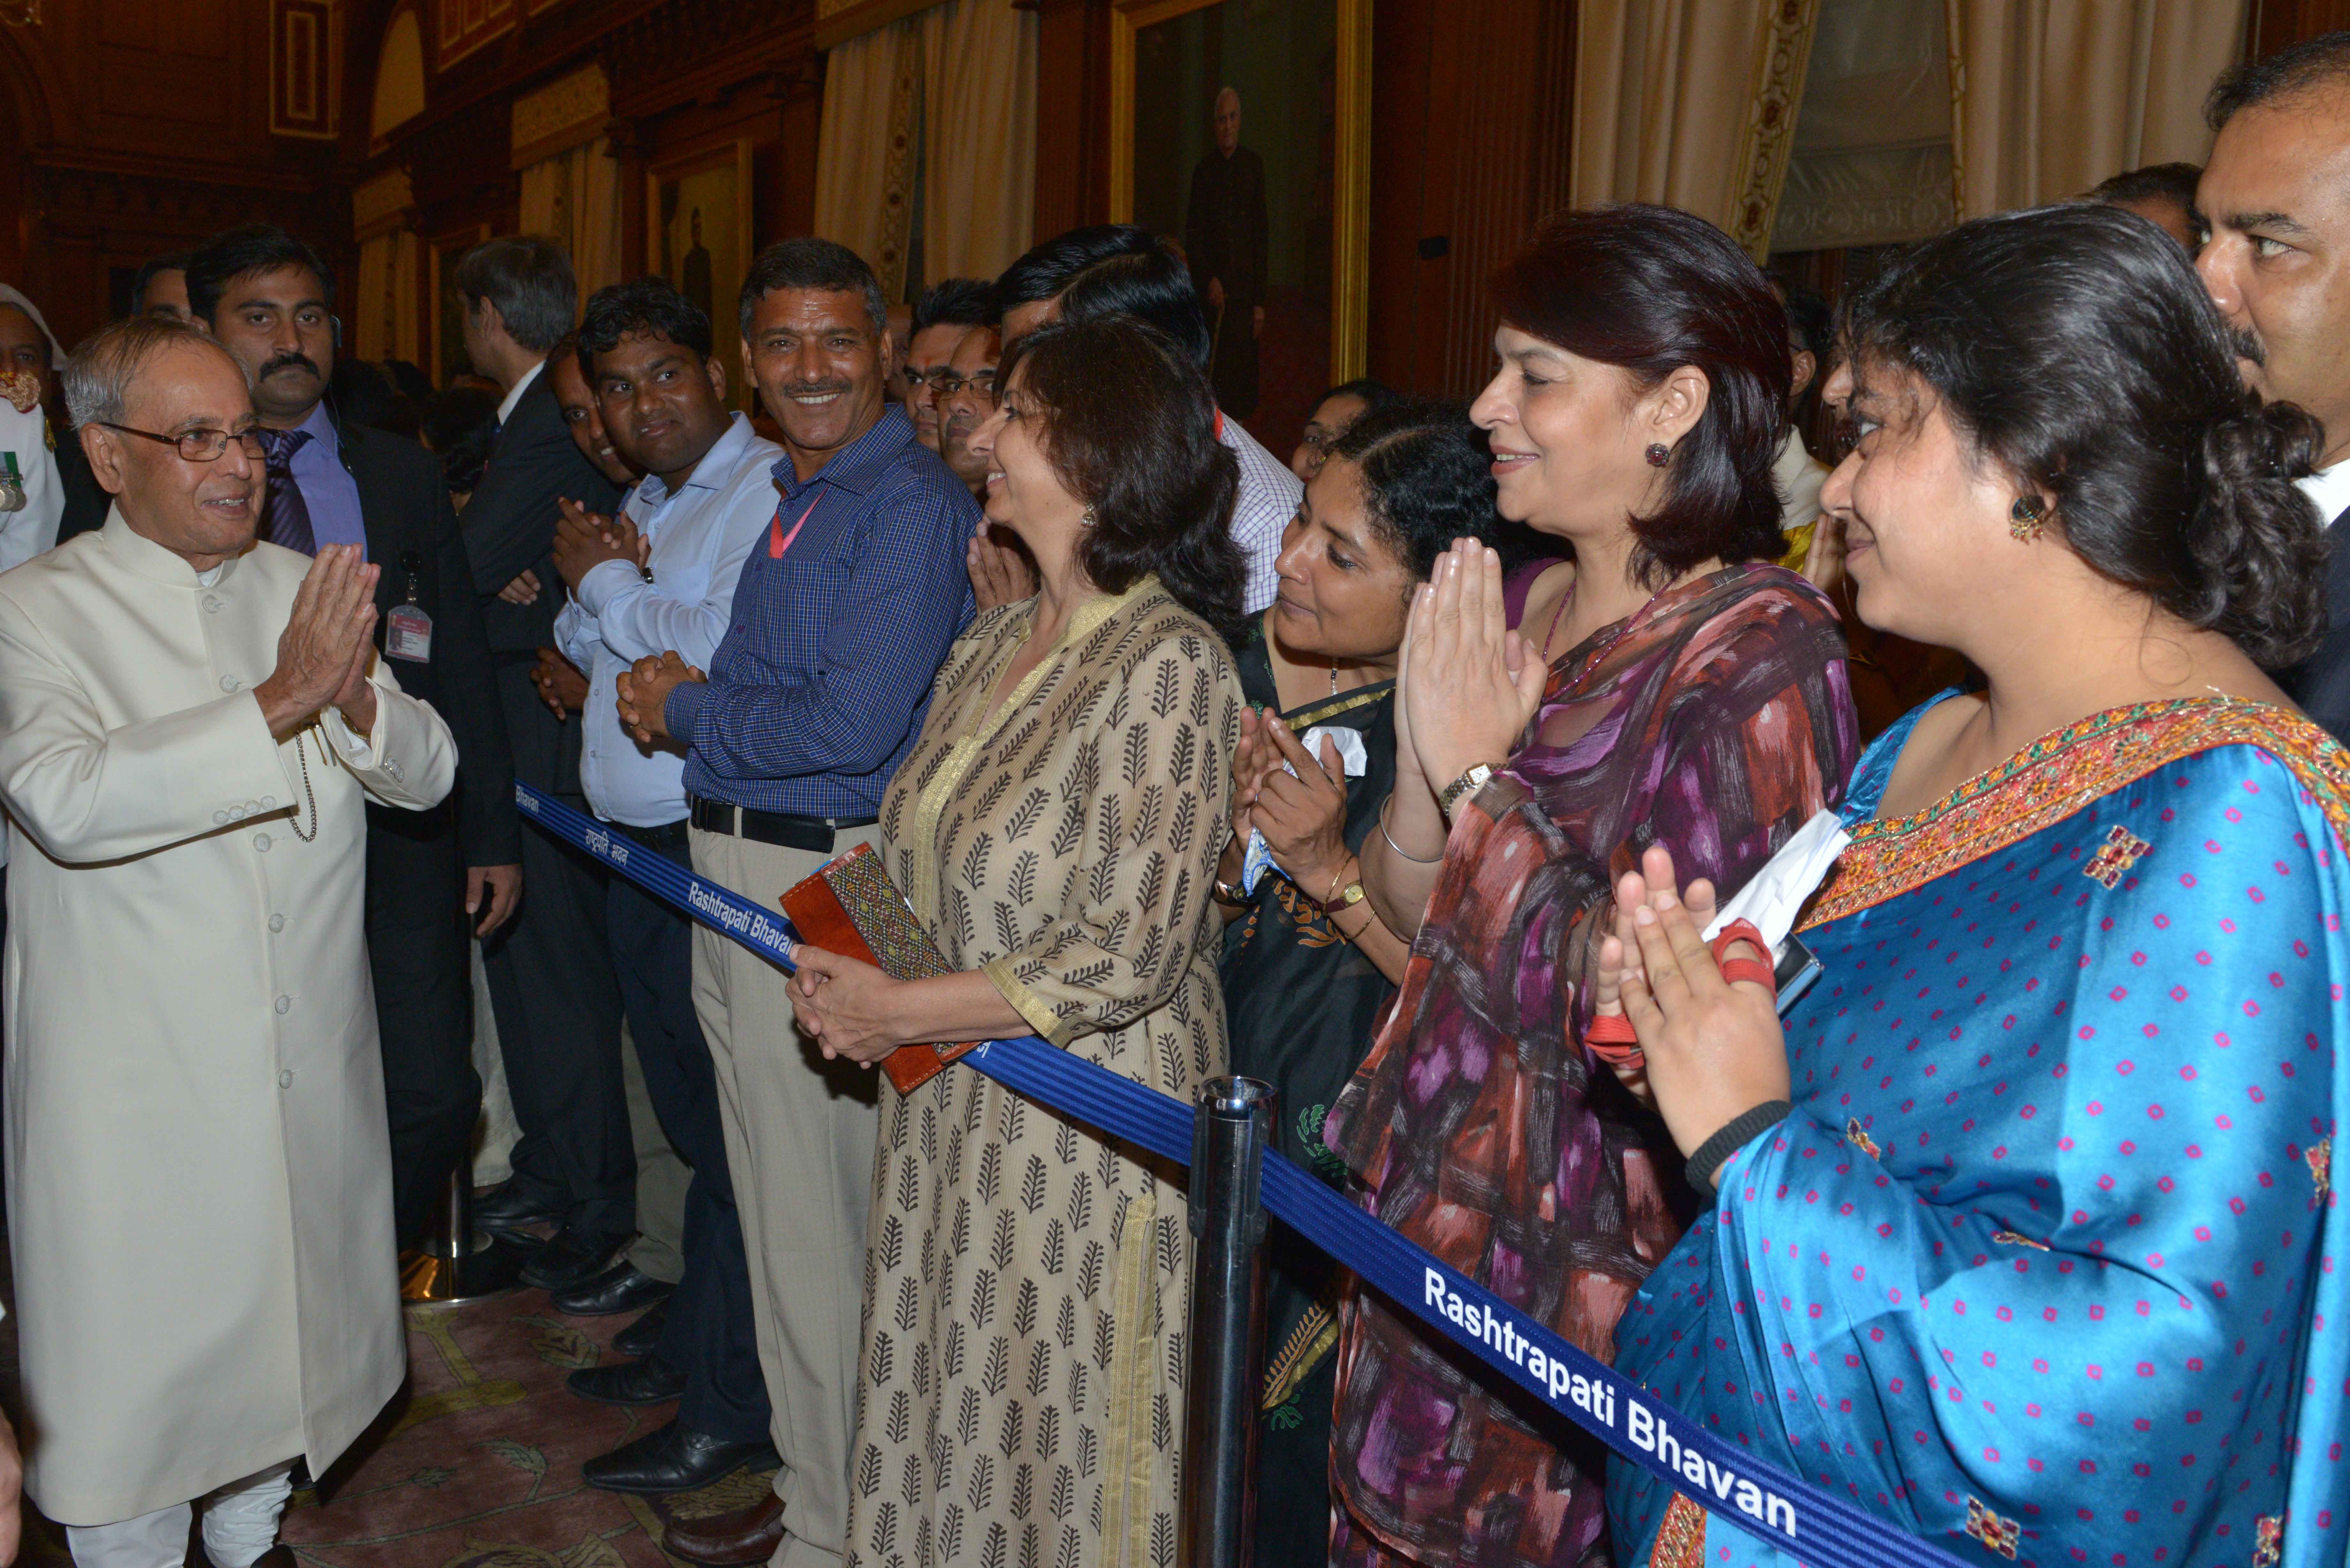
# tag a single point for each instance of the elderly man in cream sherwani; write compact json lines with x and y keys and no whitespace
{"x":199,"y":1182}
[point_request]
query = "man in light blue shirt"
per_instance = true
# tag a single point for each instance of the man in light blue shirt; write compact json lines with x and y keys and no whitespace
{"x":661,"y":576}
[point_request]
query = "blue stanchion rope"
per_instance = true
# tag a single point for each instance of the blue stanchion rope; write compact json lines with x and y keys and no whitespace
{"x":1821,"y":1529}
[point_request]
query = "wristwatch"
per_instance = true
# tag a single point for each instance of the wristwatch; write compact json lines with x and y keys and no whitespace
{"x":1230,"y":897}
{"x":1464,"y":786}
{"x":1345,"y":897}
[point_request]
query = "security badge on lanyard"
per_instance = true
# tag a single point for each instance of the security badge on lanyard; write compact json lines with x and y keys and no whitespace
{"x":407,"y":630}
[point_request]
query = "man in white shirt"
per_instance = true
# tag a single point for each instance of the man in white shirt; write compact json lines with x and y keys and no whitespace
{"x":661,"y":574}
{"x":2275,"y":205}
{"x":1120,"y":269}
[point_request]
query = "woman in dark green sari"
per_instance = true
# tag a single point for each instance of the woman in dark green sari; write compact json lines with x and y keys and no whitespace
{"x":1308,"y":968}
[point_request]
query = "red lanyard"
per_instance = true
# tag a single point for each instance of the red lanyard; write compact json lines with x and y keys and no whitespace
{"x":777,"y":540}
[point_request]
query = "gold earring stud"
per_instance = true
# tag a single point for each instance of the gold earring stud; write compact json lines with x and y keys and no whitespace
{"x":2026,"y":518}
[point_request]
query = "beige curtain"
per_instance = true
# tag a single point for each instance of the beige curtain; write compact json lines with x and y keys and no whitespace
{"x":1691,"y":103}
{"x":865,"y":147}
{"x":2049,"y":97}
{"x":575,"y":196}
{"x":1872,"y":160}
{"x":383,"y":317}
{"x":979,"y":138}
{"x":946,"y":102}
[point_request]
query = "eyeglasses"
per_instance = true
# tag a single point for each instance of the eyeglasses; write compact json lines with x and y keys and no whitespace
{"x":200,"y":445}
{"x":946,"y":384}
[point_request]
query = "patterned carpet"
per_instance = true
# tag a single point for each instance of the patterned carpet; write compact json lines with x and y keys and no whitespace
{"x":476,"y":1464}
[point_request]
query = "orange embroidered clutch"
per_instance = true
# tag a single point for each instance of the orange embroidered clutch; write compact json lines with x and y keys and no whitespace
{"x":851,"y":907}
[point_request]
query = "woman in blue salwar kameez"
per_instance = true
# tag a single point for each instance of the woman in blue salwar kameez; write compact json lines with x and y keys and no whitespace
{"x":2024,"y":1234}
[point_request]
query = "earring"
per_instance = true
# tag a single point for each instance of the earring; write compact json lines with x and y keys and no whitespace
{"x":1659,"y":455}
{"x":1089,"y":519}
{"x":2024,"y":518}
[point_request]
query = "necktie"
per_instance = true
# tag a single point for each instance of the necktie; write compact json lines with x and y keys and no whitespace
{"x":285,"y":516}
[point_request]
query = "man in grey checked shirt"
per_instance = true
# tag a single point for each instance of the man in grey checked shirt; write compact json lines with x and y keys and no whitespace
{"x":843,"y":614}
{"x":1119,"y":269}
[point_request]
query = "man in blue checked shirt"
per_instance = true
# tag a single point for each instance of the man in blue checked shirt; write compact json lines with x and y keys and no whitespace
{"x":845,"y":611}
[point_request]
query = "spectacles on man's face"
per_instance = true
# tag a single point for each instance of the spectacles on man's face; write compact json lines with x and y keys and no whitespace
{"x":946,"y":383}
{"x":202,"y":445}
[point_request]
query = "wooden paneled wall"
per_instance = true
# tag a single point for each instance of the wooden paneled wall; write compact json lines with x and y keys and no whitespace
{"x":2276,"y":23}
{"x":686,"y":75}
{"x":133,"y":126}
{"x":1471,"y":128}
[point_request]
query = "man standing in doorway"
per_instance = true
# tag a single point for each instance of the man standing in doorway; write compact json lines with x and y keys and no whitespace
{"x":842,"y":614}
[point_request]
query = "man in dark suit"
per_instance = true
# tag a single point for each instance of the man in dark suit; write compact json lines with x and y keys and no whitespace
{"x":432,"y":874}
{"x":552,"y":979}
{"x":2276,"y":210}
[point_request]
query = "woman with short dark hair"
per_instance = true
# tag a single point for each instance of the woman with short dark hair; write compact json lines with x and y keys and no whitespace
{"x":1666,"y":687}
{"x":2025,"y":1235}
{"x":1055,"y":828}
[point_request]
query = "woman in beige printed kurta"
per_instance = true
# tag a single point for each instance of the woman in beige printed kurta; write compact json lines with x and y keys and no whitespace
{"x":1055,"y":828}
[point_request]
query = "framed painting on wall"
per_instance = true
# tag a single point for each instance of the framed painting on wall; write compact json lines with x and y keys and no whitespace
{"x":1240,"y":132}
{"x":448,"y":316}
{"x":698,"y":235}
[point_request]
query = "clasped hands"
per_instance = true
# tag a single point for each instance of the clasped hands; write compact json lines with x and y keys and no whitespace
{"x":1466,"y":684}
{"x":1303,"y":814}
{"x":324,"y":653}
{"x":1713,"y":1048}
{"x":644,"y":689}
{"x":585,"y":540}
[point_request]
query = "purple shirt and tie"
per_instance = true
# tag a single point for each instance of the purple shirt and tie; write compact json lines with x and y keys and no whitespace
{"x":328,"y":494}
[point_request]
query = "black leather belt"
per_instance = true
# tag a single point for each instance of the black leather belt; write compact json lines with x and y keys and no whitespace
{"x":786,"y":829}
{"x":668,"y":835}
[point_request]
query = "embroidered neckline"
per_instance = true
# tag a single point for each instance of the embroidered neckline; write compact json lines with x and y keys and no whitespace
{"x":2063,"y":772}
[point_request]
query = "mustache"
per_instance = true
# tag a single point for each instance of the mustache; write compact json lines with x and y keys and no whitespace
{"x":817,"y":389}
{"x":286,"y":361}
{"x":2248,"y":345}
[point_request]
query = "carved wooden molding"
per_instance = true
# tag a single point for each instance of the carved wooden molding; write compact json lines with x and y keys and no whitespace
{"x":837,"y":21}
{"x":561,"y":115}
{"x":382,"y":203}
{"x":304,"y":69}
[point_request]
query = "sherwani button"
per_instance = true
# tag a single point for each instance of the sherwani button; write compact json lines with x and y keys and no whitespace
{"x":212,"y":604}
{"x":230,"y":684}
{"x":286,"y":1078}
{"x":284,"y":1004}
{"x":261,"y":842}
{"x":277,"y":923}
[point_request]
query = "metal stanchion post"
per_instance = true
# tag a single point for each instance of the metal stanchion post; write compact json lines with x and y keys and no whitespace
{"x":459,"y":1263}
{"x":1231,"y":1130}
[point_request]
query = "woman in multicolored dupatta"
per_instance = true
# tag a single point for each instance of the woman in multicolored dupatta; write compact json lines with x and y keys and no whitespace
{"x":1668,"y":687}
{"x":2044,"y":1255}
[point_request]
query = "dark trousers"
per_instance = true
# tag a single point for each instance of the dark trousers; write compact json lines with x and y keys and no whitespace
{"x":710,"y":1334}
{"x":417,"y":951}
{"x":557,"y":1003}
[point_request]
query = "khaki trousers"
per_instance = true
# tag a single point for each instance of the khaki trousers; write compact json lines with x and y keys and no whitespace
{"x":800,"y":1135}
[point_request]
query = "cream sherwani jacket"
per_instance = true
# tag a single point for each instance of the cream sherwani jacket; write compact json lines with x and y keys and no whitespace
{"x":198,"y":1171}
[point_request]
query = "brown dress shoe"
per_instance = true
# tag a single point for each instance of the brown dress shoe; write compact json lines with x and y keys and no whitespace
{"x":738,"y":1540}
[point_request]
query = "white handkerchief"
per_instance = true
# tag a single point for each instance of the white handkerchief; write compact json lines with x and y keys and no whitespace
{"x":1776,"y":895}
{"x":1258,"y":858}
